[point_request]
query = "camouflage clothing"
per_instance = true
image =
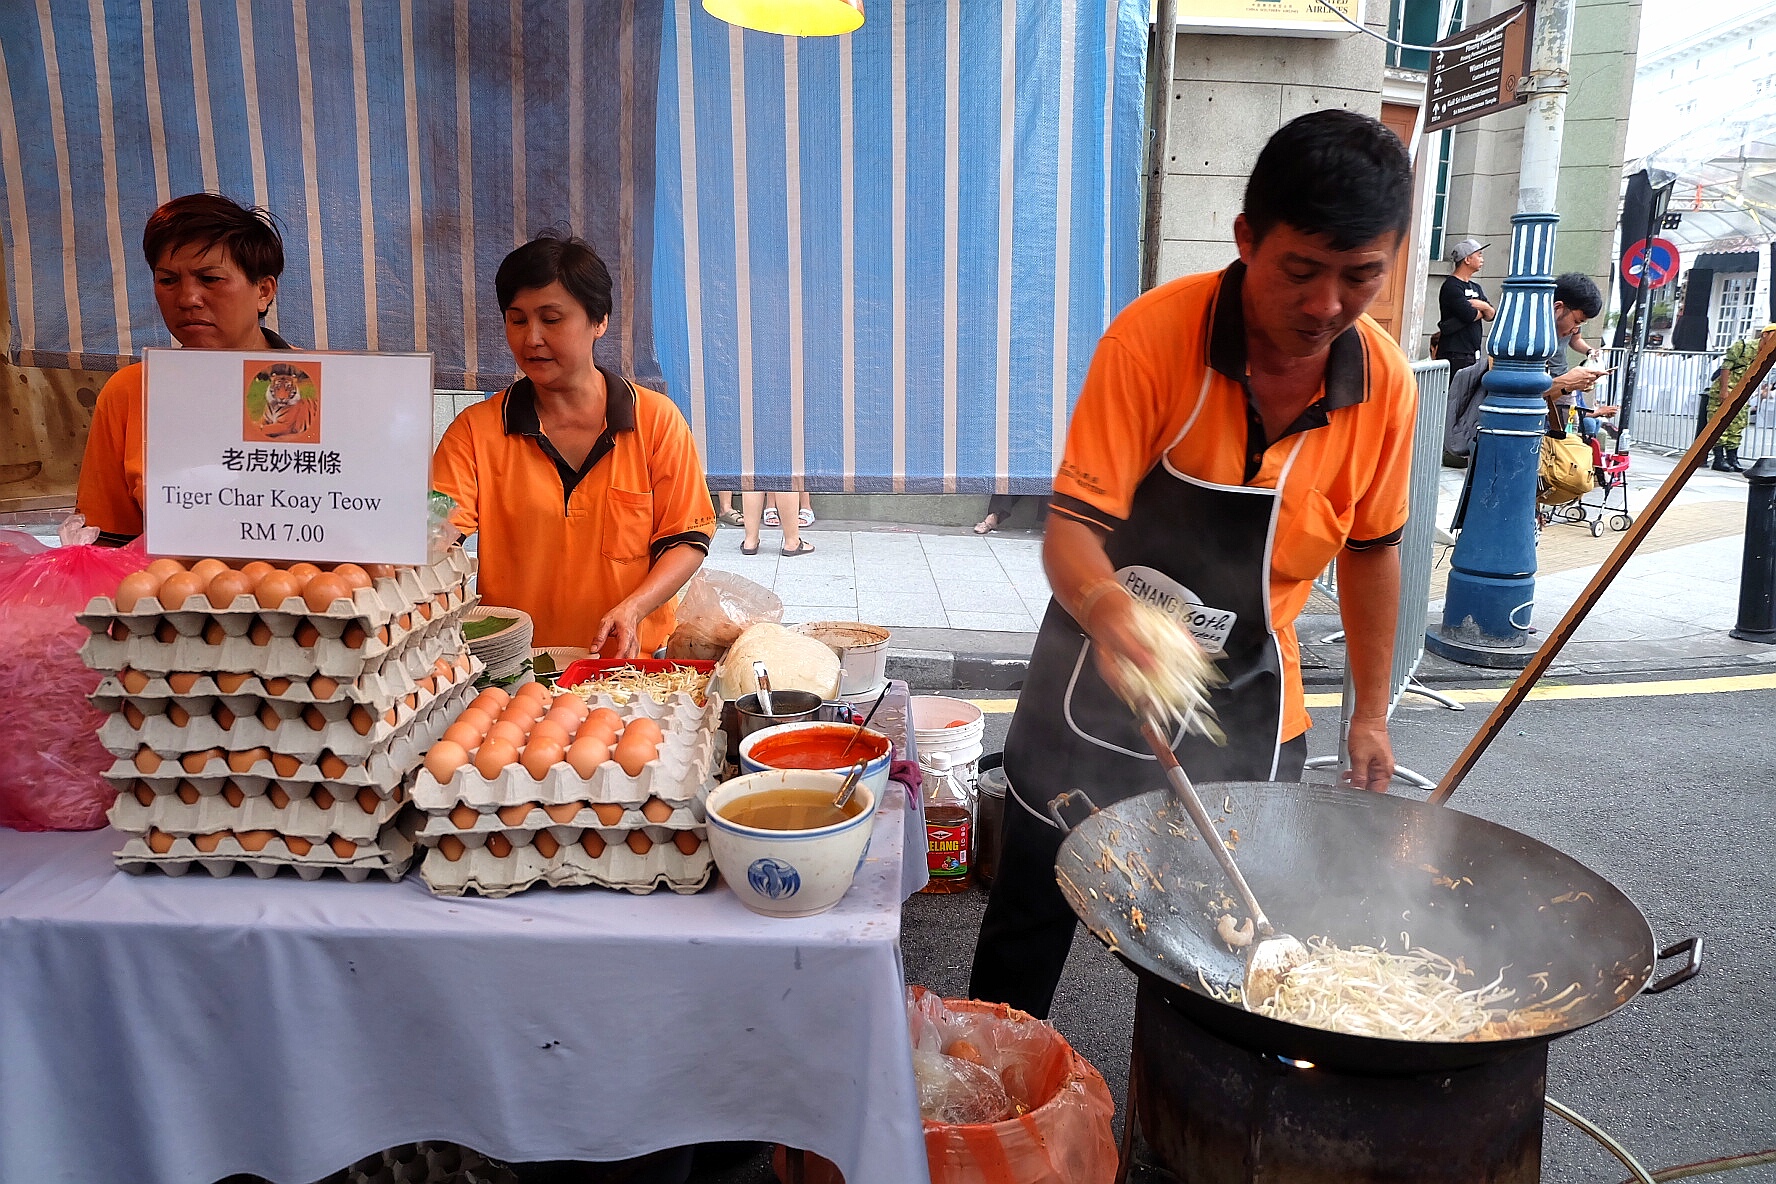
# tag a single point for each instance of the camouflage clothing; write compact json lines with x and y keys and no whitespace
{"x":1734,"y":364}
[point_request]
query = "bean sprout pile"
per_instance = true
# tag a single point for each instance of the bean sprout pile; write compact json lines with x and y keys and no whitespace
{"x":1178,"y":693}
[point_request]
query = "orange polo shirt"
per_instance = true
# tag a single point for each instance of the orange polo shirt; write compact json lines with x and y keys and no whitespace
{"x":1169,"y":379}
{"x":566,"y":545}
{"x":110,"y":490}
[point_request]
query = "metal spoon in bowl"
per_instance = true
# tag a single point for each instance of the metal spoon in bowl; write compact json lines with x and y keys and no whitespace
{"x":1274,"y":954}
{"x":764,"y":687}
{"x":865,"y":723}
{"x":850,"y":786}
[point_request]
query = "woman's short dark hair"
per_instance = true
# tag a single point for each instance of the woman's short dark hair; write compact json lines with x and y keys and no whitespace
{"x":1576,"y":290}
{"x":205,"y":220}
{"x":548,"y":258}
{"x":1334,"y":173}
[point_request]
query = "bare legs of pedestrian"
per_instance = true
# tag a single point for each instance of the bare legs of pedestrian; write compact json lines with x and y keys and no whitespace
{"x":752,"y":511}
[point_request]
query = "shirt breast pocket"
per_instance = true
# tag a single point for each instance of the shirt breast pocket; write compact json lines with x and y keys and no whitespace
{"x":628,"y":525}
{"x":1309,"y":538}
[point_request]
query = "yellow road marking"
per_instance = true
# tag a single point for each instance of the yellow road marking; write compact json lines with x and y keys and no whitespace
{"x":1617,"y":690}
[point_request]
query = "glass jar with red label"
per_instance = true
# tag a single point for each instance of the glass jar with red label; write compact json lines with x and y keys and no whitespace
{"x":949,"y":828}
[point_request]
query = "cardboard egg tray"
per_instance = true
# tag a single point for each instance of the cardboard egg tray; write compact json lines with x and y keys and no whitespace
{"x":242,"y":692}
{"x":381,"y":768}
{"x":426,"y":1163}
{"x":680,"y":775}
{"x":677,"y":710}
{"x":480,"y":871}
{"x":562,"y":819}
{"x":390,"y":855}
{"x":346,"y":816}
{"x":284,"y":726}
{"x":279,"y":657}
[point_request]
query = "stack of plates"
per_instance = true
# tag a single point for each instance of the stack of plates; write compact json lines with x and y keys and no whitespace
{"x":505,"y":650}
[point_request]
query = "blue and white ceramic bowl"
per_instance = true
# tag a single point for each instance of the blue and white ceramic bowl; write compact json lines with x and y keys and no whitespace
{"x":789,"y":873}
{"x":875,"y":773}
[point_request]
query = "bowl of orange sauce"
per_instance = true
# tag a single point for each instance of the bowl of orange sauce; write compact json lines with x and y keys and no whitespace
{"x":815,"y":746}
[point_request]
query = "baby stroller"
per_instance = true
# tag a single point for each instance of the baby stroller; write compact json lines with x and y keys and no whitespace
{"x":1609,"y":484}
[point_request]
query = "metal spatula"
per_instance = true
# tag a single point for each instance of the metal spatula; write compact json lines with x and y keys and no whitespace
{"x":1273,"y":954}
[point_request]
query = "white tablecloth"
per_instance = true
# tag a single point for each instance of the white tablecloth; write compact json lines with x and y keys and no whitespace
{"x":180,"y":1030}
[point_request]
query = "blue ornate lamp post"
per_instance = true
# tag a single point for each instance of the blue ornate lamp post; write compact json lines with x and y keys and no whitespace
{"x":1486,"y":610}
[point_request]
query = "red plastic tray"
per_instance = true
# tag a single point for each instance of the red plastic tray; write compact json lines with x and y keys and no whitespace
{"x":588,"y":668}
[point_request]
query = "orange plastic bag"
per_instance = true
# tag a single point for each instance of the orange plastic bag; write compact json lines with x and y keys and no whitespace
{"x":1064,"y":1135}
{"x":50,"y":756}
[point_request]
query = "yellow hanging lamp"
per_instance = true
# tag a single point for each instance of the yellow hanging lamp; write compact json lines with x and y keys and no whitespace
{"x":791,"y":18}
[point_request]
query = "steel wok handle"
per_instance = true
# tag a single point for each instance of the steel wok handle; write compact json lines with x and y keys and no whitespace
{"x":1690,"y":969}
{"x":1059,"y":808}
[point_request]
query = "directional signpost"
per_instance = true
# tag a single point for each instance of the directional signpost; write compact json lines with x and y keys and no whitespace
{"x":1476,"y":72}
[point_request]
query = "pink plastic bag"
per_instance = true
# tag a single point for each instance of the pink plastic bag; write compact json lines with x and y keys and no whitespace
{"x":51,"y":759}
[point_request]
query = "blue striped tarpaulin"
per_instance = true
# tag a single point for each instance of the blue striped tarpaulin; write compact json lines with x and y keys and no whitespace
{"x":405,"y":145}
{"x":883,"y":260}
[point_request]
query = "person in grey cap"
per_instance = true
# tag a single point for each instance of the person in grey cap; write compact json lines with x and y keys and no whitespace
{"x":1462,"y":306}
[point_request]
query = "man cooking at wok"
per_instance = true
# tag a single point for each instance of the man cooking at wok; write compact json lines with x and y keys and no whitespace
{"x":1238,"y":431}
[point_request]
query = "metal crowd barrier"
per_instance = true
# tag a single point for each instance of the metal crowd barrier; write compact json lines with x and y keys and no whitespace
{"x":1418,"y":547}
{"x":1668,"y":402}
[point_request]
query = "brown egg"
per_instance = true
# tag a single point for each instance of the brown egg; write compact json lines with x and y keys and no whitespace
{"x":545,"y":844}
{"x":256,"y":571}
{"x":278,"y":796}
{"x":285,"y":764}
{"x":178,"y":716}
{"x":641,"y":725}
{"x":604,"y":717}
{"x":445,"y":758}
{"x":464,"y":817}
{"x":137,"y":586}
{"x":277,"y":686}
{"x":476,"y":718}
{"x":354,"y":636}
{"x":534,"y":690}
{"x":322,"y":798}
{"x":276,"y":587}
{"x":133,"y":715}
{"x":443,"y":671}
{"x":187,"y":793}
{"x":331,"y":766}
{"x":514,"y":815}
{"x":388,"y":717}
{"x":412,"y":700}
{"x":608,"y":813}
{"x":568,"y":707}
{"x":367,"y":800}
{"x":320,"y":592}
{"x":322,"y":686}
{"x":593,"y":842}
{"x":133,"y":680}
{"x":143,"y":794}
{"x":562,"y":811}
{"x":269,"y":718}
{"x":542,"y":755}
{"x":195,"y":762}
{"x":507,"y":731}
{"x":160,"y":569}
{"x":225,"y":718}
{"x":405,"y":621}
{"x":354,"y":576}
{"x":259,"y":633}
{"x":634,"y":752}
{"x":426,"y":684}
{"x":452,"y":847}
{"x":311,"y":715}
{"x":549,"y":730}
{"x":493,"y":757}
{"x":147,"y":760}
{"x":232,"y":794}
{"x":304,"y":572}
{"x":398,"y":794}
{"x":467,"y":735}
{"x":686,"y":842}
{"x":361,"y":719}
{"x":231,"y":682}
{"x":159,"y":842}
{"x":214,"y":634}
{"x":296,"y":844}
{"x":382,"y":634}
{"x":380,"y":571}
{"x":208,"y":843}
{"x":654,"y":810}
{"x":587,"y":753}
{"x":225,"y":586}
{"x":208,"y":568}
{"x":424,"y":611}
{"x":255,"y":840}
{"x":120,"y":632}
{"x":180,"y":588}
{"x":499,"y":846}
{"x":639,"y":842}
{"x":307,"y":635}
{"x":344,"y":848}
{"x":164,"y":633}
{"x":243,"y":762}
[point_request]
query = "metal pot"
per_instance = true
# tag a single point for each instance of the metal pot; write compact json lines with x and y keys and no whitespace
{"x":989,"y":815}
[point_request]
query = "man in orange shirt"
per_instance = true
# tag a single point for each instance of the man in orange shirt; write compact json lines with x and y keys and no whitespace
{"x":1237,"y":432}
{"x":216,"y":266}
{"x":586,"y":491}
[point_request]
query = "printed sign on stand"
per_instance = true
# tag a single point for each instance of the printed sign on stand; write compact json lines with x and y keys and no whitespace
{"x":287,"y":455}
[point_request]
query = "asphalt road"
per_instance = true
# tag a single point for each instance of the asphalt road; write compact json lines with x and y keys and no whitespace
{"x":1673,"y":800}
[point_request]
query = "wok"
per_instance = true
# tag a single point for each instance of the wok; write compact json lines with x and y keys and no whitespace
{"x":1355,"y":868}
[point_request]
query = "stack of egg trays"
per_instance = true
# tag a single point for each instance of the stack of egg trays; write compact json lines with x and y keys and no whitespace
{"x":544,"y":826}
{"x":415,"y":607}
{"x":426,"y":1163}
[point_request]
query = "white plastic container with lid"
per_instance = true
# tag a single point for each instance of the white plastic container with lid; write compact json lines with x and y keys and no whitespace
{"x":950,"y":726}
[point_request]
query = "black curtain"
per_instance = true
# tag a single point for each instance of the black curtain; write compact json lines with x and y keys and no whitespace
{"x":1691,"y":330}
{"x":1637,"y":207}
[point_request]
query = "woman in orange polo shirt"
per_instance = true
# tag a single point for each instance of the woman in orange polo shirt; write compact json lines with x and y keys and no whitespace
{"x":216,"y":266}
{"x":586,"y":490}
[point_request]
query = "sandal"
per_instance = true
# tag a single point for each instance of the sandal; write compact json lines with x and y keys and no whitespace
{"x":805,"y":517}
{"x":770,"y":518}
{"x":746,"y":550}
{"x":987,"y":525}
{"x":804,"y":549}
{"x":730,"y":518}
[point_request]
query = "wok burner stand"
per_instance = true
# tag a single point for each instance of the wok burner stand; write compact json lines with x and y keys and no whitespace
{"x":1212,"y":1112}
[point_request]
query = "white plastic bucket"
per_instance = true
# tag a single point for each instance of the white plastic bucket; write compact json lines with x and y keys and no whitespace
{"x":862,"y":651}
{"x":951,"y":726}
